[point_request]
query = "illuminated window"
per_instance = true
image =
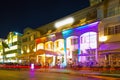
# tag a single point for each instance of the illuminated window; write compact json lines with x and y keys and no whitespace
{"x":90,"y":42}
{"x":117,"y":29}
{"x":40,"y":46}
{"x":51,"y":45}
{"x":81,"y":39}
{"x":14,"y":39}
{"x":32,"y":37}
{"x":74,"y":41}
{"x":28,"y":50}
{"x":25,"y":47}
{"x":84,"y":39}
{"x":11,"y":48}
{"x":11,"y":55}
{"x":113,"y":30}
{"x":46,"y":46}
{"x":110,"y":30}
{"x":57,"y":44}
{"x":32,"y":47}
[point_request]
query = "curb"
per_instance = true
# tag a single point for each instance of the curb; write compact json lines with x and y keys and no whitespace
{"x":100,"y":76}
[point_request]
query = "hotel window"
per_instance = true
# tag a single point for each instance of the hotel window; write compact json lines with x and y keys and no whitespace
{"x":81,"y":39}
{"x":25,"y":47}
{"x":49,"y":46}
{"x":31,"y":37}
{"x":57,"y":44}
{"x":110,"y":30}
{"x":113,"y":30}
{"x":31,"y":47}
{"x":46,"y":46}
{"x":113,"y":8}
{"x":111,"y":11}
{"x":24,"y":40}
{"x":117,"y":29}
{"x":118,"y":9}
{"x":74,"y":41}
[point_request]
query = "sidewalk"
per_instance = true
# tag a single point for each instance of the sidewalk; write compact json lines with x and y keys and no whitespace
{"x":87,"y":73}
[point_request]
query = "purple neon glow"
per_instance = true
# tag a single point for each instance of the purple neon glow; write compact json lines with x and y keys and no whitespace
{"x":87,"y":26}
{"x":88,"y":44}
{"x":69,"y":32}
{"x":32,"y":66}
{"x":88,"y":29}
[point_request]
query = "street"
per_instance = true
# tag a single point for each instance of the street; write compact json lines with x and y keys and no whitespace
{"x":37,"y":75}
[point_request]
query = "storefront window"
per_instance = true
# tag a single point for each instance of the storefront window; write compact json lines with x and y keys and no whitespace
{"x":74,"y":41}
{"x":90,"y":42}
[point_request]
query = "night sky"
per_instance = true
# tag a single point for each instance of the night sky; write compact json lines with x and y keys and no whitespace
{"x":16,"y":15}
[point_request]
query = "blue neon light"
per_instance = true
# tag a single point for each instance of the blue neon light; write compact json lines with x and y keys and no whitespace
{"x":67,"y":33}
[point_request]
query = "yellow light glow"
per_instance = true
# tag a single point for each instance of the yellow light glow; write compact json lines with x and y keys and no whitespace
{"x":34,"y":49}
{"x":14,"y":47}
{"x":40,"y":46}
{"x":64,"y":22}
{"x":11,"y":55}
{"x":1,"y":57}
{"x":28,"y":50}
{"x":21,"y":51}
{"x":59,"y":46}
{"x":37,"y":59}
{"x":20,"y":61}
{"x":103,"y":38}
{"x":48,"y":55}
{"x":59,"y":57}
{"x":14,"y":38}
{"x":11,"y":48}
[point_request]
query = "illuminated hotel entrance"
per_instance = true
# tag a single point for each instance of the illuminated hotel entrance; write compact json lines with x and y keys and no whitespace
{"x":45,"y":57}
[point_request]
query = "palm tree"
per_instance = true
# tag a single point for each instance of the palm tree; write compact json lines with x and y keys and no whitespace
{"x":4,"y":45}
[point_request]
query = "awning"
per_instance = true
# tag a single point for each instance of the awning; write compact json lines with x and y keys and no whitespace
{"x":110,"y":46}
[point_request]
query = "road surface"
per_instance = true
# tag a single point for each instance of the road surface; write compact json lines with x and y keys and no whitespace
{"x":37,"y":75}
